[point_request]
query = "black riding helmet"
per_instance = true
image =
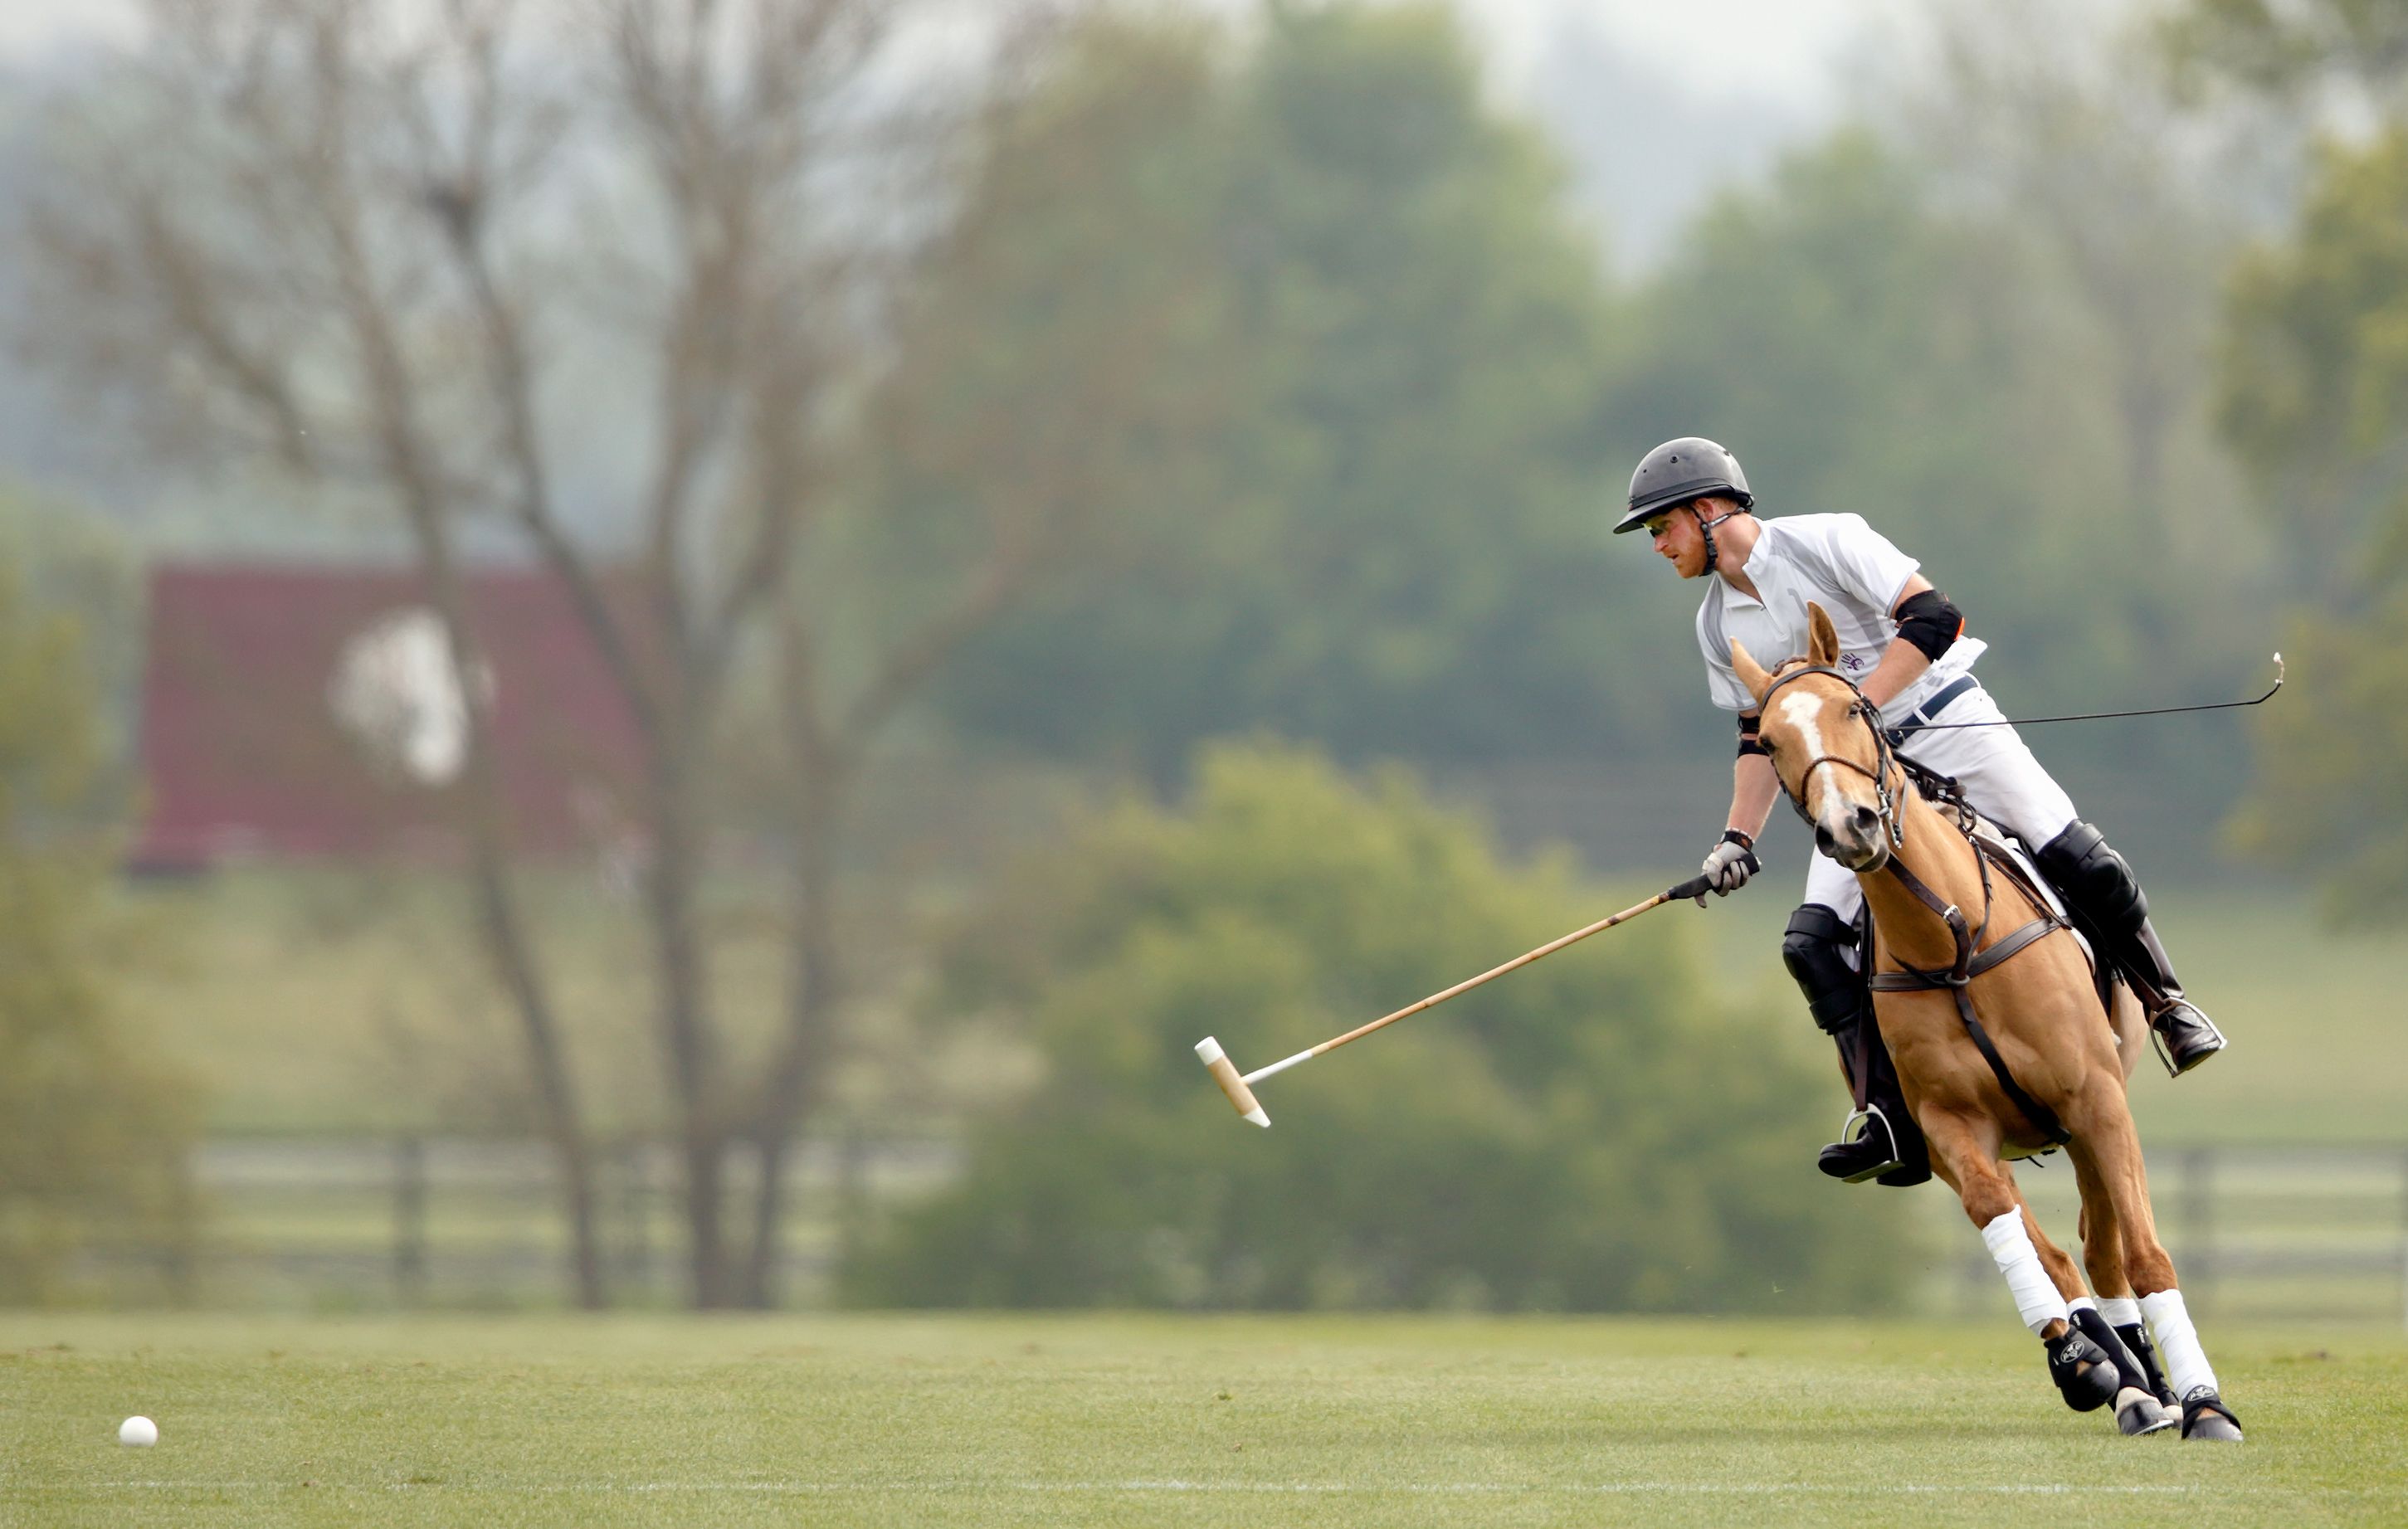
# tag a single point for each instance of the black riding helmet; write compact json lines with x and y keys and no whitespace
{"x":1676,"y":473}
{"x":1679,"y":471}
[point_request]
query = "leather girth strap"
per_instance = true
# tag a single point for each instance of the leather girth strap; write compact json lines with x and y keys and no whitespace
{"x":1971,"y":963}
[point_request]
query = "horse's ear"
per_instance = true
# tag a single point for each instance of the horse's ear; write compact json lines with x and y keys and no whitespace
{"x":1822,"y":639}
{"x":1750,"y":672}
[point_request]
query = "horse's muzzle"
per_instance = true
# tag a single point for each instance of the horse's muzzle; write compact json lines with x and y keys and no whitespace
{"x":1858,"y":842}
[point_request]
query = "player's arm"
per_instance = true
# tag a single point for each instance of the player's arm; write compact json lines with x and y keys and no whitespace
{"x":1754,"y":785}
{"x":1927,"y":626}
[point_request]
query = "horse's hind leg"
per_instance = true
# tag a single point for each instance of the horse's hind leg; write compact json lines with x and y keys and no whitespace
{"x":2108,"y":1155}
{"x":2103,"y":1247}
{"x":1967,"y":1148}
{"x":2062,"y":1272}
{"x":2113,"y":1319}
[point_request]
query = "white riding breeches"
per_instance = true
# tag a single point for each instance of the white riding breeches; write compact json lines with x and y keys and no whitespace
{"x":2002,"y":781}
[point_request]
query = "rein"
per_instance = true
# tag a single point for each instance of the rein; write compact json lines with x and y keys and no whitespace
{"x":1972,"y":960}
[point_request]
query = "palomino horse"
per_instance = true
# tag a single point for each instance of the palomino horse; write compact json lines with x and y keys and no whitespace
{"x":2003,"y":1045}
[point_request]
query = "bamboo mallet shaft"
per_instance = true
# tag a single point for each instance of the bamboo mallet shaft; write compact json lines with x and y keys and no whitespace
{"x":1240,"y":1087}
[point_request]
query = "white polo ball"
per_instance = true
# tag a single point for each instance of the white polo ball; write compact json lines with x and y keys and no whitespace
{"x":137,"y":1431}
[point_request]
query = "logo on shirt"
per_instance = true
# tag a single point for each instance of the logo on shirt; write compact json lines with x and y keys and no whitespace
{"x":1851,"y":662}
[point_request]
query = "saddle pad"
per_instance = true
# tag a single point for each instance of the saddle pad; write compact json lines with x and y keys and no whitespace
{"x":1986,"y":830}
{"x":1983,"y":828}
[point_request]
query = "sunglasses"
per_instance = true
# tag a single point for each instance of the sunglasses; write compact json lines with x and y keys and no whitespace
{"x":1656,"y":527}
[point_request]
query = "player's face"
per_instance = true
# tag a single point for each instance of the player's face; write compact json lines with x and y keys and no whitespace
{"x":1678,"y":540}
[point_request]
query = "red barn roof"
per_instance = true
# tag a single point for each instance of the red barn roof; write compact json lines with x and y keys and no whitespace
{"x":243,"y":752}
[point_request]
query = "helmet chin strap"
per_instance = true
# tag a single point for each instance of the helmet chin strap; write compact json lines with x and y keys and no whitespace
{"x":1706,"y":530}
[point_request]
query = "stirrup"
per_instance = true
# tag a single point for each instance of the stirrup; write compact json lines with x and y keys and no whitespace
{"x":2193,"y":1055}
{"x":1869,"y":1116}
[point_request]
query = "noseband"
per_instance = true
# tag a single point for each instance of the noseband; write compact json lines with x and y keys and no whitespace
{"x":1892,"y":820}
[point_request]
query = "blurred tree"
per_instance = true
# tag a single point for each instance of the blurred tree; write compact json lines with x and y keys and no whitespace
{"x":2314,"y":379}
{"x":2290,"y":48}
{"x":266,"y":276}
{"x":1871,"y":336}
{"x":456,"y":256}
{"x":2042,"y":121}
{"x":77,"y":563}
{"x":1033,"y":392}
{"x":1862,"y":353}
{"x":1396,"y":547}
{"x":2313,"y":375}
{"x":1989,"y":339}
{"x":92,"y":1133}
{"x":1590,"y":1134}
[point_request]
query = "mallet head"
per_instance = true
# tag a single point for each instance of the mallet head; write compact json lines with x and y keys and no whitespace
{"x":1224,"y":1073}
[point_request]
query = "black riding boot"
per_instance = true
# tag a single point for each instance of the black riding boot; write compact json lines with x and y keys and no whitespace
{"x":1889,"y":1144}
{"x":2107,"y":903}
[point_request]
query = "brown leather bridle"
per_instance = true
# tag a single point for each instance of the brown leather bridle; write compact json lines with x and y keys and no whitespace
{"x":1884,"y":763}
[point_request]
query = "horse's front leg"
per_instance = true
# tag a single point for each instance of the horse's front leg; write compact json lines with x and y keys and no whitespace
{"x":2143,"y":1399}
{"x":1969,"y":1145}
{"x":2107,"y":1151}
{"x":2062,"y":1271}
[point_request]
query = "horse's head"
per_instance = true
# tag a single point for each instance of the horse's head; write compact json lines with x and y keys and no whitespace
{"x":1830,"y":760}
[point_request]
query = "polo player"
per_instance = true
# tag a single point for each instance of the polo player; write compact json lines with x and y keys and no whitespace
{"x":1904,"y":644}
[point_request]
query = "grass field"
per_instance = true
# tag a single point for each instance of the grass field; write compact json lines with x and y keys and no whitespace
{"x":1146,"y":1420}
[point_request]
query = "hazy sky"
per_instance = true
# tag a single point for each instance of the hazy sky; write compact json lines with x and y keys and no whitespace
{"x":1714,"y":48}
{"x":27,"y":25}
{"x":1782,"y":47}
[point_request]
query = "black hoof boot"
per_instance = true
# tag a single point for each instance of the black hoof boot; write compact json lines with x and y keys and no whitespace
{"x":2137,"y":1413}
{"x":2085,"y":1375}
{"x":2136,"y":1341}
{"x":2184,"y":1037}
{"x":2205,"y":1416}
{"x":2137,"y":1410}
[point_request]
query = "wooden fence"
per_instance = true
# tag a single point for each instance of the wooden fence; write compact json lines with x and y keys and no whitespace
{"x":375,"y":1222}
{"x":2257,"y":1232}
{"x":2260,"y":1232}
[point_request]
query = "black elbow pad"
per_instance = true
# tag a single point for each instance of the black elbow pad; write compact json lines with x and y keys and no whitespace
{"x":1930,"y":623}
{"x":1750,"y":742}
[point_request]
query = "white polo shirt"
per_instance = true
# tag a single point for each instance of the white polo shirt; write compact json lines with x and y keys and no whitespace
{"x":1853,"y":572}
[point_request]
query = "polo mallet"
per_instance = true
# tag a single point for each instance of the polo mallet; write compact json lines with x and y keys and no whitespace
{"x":1240,"y":1089}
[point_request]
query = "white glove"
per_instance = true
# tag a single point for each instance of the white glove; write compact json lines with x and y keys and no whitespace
{"x":1731,"y":863}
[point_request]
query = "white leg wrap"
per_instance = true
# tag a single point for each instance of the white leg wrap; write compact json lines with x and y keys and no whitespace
{"x":2121,"y":1312}
{"x":2081,"y":1303}
{"x":2177,"y":1342}
{"x":2037,"y":1301}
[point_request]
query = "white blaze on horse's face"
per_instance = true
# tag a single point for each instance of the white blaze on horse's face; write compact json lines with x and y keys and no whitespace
{"x":1842,"y":802}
